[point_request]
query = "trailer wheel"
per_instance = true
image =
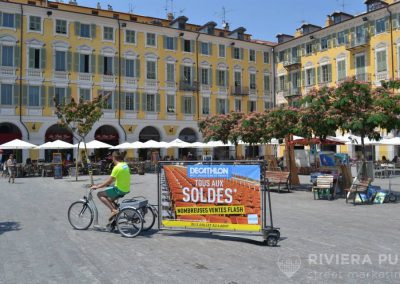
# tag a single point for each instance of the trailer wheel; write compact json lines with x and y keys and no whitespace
{"x":272,"y":241}
{"x":277,"y":233}
{"x":392,"y":197}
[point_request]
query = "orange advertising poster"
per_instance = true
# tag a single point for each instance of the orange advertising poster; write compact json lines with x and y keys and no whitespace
{"x":211,"y":197}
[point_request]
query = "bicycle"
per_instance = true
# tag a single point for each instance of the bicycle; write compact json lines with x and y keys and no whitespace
{"x":133,"y":214}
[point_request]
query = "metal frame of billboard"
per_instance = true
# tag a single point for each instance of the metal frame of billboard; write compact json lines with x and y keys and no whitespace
{"x":268,"y":233}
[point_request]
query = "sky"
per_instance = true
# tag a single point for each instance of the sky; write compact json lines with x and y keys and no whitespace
{"x":262,"y":18}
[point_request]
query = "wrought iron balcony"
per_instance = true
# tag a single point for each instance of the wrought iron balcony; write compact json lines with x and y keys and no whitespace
{"x":292,"y":63}
{"x":187,"y":86}
{"x":358,"y":42}
{"x":363,"y":77}
{"x":292,"y":92}
{"x":239,"y":91}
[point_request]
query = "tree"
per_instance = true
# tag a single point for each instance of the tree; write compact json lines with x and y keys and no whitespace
{"x":249,"y":128}
{"x":80,"y":118}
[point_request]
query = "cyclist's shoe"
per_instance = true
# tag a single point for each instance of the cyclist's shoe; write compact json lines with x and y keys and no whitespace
{"x":113,"y":215}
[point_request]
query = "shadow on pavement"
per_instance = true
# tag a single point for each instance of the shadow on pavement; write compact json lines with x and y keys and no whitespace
{"x":9,"y":226}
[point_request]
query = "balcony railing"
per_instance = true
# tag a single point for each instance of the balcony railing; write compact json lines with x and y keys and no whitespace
{"x":87,"y":77}
{"x":131,"y":81}
{"x":363,"y":77}
{"x":7,"y":71}
{"x":205,"y":87}
{"x":187,"y":86}
{"x":60,"y":75}
{"x":292,"y":92}
{"x":358,"y":42}
{"x":240,"y":91}
{"x":109,"y":79}
{"x":292,"y":63}
{"x":151,"y":83}
{"x":170,"y":85}
{"x":34,"y":73}
{"x":381,"y":76}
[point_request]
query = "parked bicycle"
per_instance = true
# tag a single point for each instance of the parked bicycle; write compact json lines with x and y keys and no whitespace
{"x":135,"y":215}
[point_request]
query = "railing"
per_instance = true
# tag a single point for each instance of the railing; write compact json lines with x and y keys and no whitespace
{"x":151,"y":83}
{"x":356,"y":42}
{"x":292,"y":62}
{"x":363,"y":77}
{"x":205,"y":87}
{"x":170,"y":85}
{"x":187,"y":86}
{"x":222,"y":90}
{"x":239,"y":91}
{"x":60,"y":75}
{"x":131,"y":81}
{"x":381,"y":76}
{"x":7,"y":71}
{"x":108,"y":79}
{"x":85,"y":77}
{"x":34,"y":73}
{"x":293,"y":91}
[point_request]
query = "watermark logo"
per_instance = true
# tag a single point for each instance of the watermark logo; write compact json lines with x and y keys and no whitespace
{"x":289,"y":264}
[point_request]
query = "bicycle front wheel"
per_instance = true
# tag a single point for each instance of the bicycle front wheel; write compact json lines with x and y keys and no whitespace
{"x":129,"y":222}
{"x":149,"y":217}
{"x":80,"y":215}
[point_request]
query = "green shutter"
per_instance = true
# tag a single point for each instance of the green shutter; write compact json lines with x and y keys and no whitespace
{"x":143,"y":101}
{"x":387,"y":23}
{"x":17,"y":56}
{"x":165,"y":42}
{"x":227,"y":105}
{"x":116,"y":66}
{"x":93,"y":63}
{"x":193,"y":105}
{"x":16,"y":94}
{"x":18,"y":21}
{"x":68,"y":95}
{"x":175,"y":43}
{"x":24,"y":95}
{"x":232,"y":51}
{"x":217,"y":106}
{"x":182,"y":43}
{"x":43,"y":58}
{"x":76,"y":61}
{"x":226,"y":78}
{"x":319,"y":74}
{"x":100,"y":63}
{"x":303,"y":78}
{"x":137,"y":67}
{"x":69,"y":59}
{"x":42,"y":96}
{"x":1,"y":18}
{"x":77,"y":28}
{"x":210,"y":48}
{"x":123,"y":67}
{"x":123,"y":100}
{"x":183,"y":104}
{"x":50,"y":96}
{"x":217,"y":80}
{"x":31,"y":58}
{"x":210,"y":76}
{"x":115,"y":100}
{"x":93,"y":30}
{"x":137,"y":101}
{"x":314,"y":78}
{"x":395,"y":20}
{"x":192,"y":46}
{"x":241,"y":56}
{"x":329,"y":72}
{"x":181,"y":73}
{"x":157,"y":97}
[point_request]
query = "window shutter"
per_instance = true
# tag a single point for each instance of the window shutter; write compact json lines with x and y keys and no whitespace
{"x":319,"y":74}
{"x":329,"y":72}
{"x":69,"y":59}
{"x":1,"y":18}
{"x":43,"y":58}
{"x":137,"y":101}
{"x":175,"y":43}
{"x":387,"y":23}
{"x":100,"y":64}
{"x":192,"y":46}
{"x":217,"y":78}
{"x":43,"y":96}
{"x":395,"y":21}
{"x":182,"y":43}
{"x":50,"y":96}
{"x":143,"y":101}
{"x":217,"y":105}
{"x":93,"y":63}
{"x":346,"y":36}
{"x":137,"y":66}
{"x":182,"y":77}
{"x":182,"y":104}
{"x":210,"y":76}
{"x":17,"y":56}
{"x":330,"y":41}
{"x":31,"y":57}
{"x":210,"y":48}
{"x":193,"y":105}
{"x":123,"y":101}
{"x":116,"y":66}
{"x":157,"y":102}
{"x":77,"y":28}
{"x":226,"y":78}
{"x":68,"y":95}
{"x":165,"y":42}
{"x":227,"y":105}
{"x":123,"y":67}
{"x":76,"y":61}
{"x":194,"y":77}
{"x":18,"y":21}
{"x":16,"y":94}
{"x":24,"y":95}
{"x":93,"y":30}
{"x":334,"y":40}
{"x":115,"y":105}
{"x":241,"y":53}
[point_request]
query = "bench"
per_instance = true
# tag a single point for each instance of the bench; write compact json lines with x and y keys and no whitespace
{"x":357,"y":188}
{"x":324,"y":187}
{"x":278,"y":179}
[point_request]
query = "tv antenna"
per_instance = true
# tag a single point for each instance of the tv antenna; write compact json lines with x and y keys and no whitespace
{"x":342,"y":4}
{"x":222,"y":15}
{"x":131,"y":7}
{"x":169,"y":6}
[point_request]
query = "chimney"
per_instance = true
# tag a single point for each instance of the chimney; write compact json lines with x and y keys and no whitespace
{"x":170,"y":17}
{"x":328,"y":21}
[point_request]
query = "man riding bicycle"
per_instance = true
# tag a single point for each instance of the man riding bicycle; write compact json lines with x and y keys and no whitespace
{"x":122,"y":177}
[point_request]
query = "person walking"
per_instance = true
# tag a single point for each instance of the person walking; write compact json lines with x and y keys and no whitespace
{"x":12,"y":168}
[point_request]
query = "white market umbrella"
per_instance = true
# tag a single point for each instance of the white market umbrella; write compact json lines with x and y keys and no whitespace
{"x":151,"y":144}
{"x":17,"y":144}
{"x":390,"y":141}
{"x":44,"y":146}
{"x":137,"y":145}
{"x":178,"y":143}
{"x":198,"y":145}
{"x":59,"y":144}
{"x":123,"y":146}
{"x":93,"y":145}
{"x":212,"y":144}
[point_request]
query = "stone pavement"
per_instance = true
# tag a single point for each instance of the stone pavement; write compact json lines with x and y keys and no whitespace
{"x":322,"y":241}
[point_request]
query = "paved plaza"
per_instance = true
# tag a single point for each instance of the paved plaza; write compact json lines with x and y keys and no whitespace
{"x":322,"y":241}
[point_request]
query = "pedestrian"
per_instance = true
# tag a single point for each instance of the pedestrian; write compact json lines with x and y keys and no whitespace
{"x":12,"y":168}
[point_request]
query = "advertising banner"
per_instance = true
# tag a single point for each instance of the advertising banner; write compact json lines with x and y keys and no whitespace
{"x":211,"y":197}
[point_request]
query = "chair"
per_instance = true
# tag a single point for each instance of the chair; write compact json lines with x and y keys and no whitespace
{"x":323,"y":187}
{"x":357,"y":188}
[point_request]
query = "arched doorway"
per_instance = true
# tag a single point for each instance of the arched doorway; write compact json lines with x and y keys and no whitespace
{"x":57,"y":132}
{"x":188,"y":135}
{"x":106,"y":134}
{"x":149,"y":133}
{"x":9,"y":132}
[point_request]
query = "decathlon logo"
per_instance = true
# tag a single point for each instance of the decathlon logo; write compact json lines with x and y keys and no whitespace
{"x":207,"y":171}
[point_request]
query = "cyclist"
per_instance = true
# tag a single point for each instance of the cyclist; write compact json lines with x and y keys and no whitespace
{"x":121,"y":177}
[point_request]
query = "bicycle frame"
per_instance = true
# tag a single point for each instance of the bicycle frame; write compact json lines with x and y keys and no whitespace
{"x":92,"y":205}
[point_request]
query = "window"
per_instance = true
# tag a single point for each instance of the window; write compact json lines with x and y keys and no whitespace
{"x":252,"y":106}
{"x":325,"y":73}
{"x":151,"y":39}
{"x":6,"y":94}
{"x":169,"y":43}
{"x":266,"y":84}
{"x":108,"y":65}
{"x":204,"y":76}
{"x":381,"y":61}
{"x":150,"y":102}
{"x":188,"y":45}
{"x":252,"y":81}
{"x":238,"y":105}
{"x":84,"y":95}
{"x":380,"y":26}
{"x":59,"y":94}
{"x":170,"y":72}
{"x":7,"y":56}
{"x":84,"y":63}
{"x":187,"y":74}
{"x":171,"y":103}
{"x":34,"y":96}
{"x":187,"y":105}
{"x":341,"y":67}
{"x":281,"y":56}
{"x":130,"y":101}
{"x":84,"y":30}
{"x":267,"y":104}
{"x":266,"y":57}
{"x":295,"y":80}
{"x":221,"y":50}
{"x":151,"y":70}
{"x":60,"y":61}
{"x":205,"y":48}
{"x":8,"y":20}
{"x":237,"y":54}
{"x":252,"y":55}
{"x":221,"y":78}
{"x":61,"y":27}
{"x":282,"y":83}
{"x":130,"y":36}
{"x":309,"y":48}
{"x":108,"y":104}
{"x":205,"y":105}
{"x":310,"y":77}
{"x":221,"y":106}
{"x":108,"y":33}
{"x":324,"y":43}
{"x":130,"y":68}
{"x":238,"y":78}
{"x":341,"y":38}
{"x":35,"y":23}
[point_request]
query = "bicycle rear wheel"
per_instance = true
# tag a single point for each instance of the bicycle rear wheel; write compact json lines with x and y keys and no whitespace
{"x":149,"y":217}
{"x":129,"y":222}
{"x":80,"y":215}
